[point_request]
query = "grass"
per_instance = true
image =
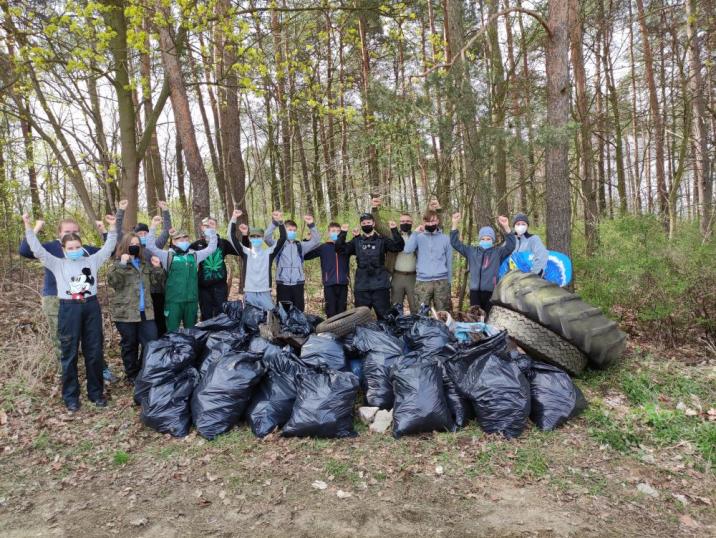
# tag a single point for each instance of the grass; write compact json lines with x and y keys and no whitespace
{"x":530,"y":462}
{"x":120,"y":457}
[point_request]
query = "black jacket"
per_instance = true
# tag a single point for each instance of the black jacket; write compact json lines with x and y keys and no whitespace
{"x":369,"y":251}
{"x":334,"y":266}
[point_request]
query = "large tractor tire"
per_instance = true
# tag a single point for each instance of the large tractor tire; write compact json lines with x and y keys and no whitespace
{"x":564,"y":313}
{"x":345,"y":323}
{"x":539,"y":342}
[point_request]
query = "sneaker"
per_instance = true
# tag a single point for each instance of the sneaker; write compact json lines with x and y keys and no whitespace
{"x":102,"y":402}
{"x":73,"y":407}
{"x":108,"y":375}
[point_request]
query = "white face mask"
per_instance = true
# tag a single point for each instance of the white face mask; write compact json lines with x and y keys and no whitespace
{"x":520,"y":229}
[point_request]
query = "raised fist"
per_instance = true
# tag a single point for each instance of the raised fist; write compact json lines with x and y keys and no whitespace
{"x":123,"y":205}
{"x":156,"y":221}
{"x":100,"y":226}
{"x":244,"y":229}
{"x":504,"y":222}
{"x":392,"y":225}
{"x":434,"y":204}
{"x":236,"y":214}
{"x":420,"y":229}
{"x":111,"y":219}
{"x":277,"y":216}
{"x":456,"y":218}
{"x":163,"y":205}
{"x":344,"y":227}
{"x":125,"y":258}
{"x":376,"y":202}
{"x":308,"y":219}
{"x":172,"y":230}
{"x":156,"y":262}
{"x":356,"y":232}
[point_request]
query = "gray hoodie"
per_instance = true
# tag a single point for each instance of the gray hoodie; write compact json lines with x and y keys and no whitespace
{"x":434,"y":255}
{"x":289,"y":261}
{"x":76,"y":279}
{"x":532,"y":243}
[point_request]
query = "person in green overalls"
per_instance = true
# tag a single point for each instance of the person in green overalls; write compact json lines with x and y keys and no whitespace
{"x":181,"y":264}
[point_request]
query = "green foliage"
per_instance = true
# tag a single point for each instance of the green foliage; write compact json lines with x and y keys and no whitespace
{"x":664,"y":288}
{"x":120,"y":457}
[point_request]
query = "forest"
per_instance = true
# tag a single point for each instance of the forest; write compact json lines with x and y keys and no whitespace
{"x":595,"y":118}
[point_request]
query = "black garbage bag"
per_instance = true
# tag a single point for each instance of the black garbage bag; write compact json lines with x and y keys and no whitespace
{"x":374,"y":338}
{"x":460,"y":407}
{"x":293,"y":321}
{"x":219,"y":344}
{"x":166,"y":407}
{"x":233,"y":309}
{"x":252,"y":317}
{"x":224,"y":391}
{"x":324,"y":405}
{"x":324,"y":349}
{"x":222,"y":322}
{"x":420,"y":404}
{"x":555,"y":397}
{"x":273,"y":399}
{"x":378,"y":386}
{"x":314,"y":321}
{"x":259,"y":344}
{"x":498,"y":390}
{"x":458,"y":357}
{"x":349,"y":348}
{"x":165,"y":358}
{"x":428,"y":335}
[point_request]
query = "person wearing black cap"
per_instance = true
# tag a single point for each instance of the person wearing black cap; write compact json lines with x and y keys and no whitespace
{"x":526,"y":242}
{"x":372,"y":281}
{"x":157,"y":288}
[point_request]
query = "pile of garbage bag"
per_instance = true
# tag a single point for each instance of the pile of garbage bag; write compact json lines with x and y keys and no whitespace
{"x":428,"y":375}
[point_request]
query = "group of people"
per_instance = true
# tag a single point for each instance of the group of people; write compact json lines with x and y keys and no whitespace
{"x":158,"y":290}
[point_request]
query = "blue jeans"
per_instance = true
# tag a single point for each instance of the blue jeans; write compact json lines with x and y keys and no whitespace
{"x":81,"y":322}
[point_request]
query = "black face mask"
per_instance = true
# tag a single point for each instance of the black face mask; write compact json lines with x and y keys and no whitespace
{"x":405,"y":227}
{"x":133,"y":250}
{"x":367,"y":228}
{"x":431,"y":228}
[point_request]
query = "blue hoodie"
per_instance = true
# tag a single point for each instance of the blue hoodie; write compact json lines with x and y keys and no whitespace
{"x":483,"y":264}
{"x":334,"y":266}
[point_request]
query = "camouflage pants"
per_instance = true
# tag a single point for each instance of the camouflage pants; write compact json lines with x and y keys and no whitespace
{"x":435,"y":291}
{"x":51,"y":309}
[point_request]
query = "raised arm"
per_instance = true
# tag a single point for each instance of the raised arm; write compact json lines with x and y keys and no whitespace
{"x":458,"y":245}
{"x":315,"y":239}
{"x":151,"y":245}
{"x":121,"y":208}
{"x":268,"y":234}
{"x":343,"y":246}
{"x":166,"y":225}
{"x":395,"y":243}
{"x":380,"y":225}
{"x":210,"y":248}
{"x":103,"y":254}
{"x":237,"y":239}
{"x":38,"y":251}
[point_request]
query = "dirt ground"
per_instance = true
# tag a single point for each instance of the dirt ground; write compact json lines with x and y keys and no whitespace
{"x":638,"y":462}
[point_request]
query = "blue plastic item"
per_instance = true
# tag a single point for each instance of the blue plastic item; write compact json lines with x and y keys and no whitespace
{"x":558,"y":269}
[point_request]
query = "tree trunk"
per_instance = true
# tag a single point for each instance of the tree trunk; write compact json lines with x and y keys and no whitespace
{"x":373,"y":170}
{"x":284,"y":118}
{"x":557,"y":194}
{"x":463,"y":100}
{"x":499,"y":96}
{"x":655,"y":114}
{"x":634,"y":117}
{"x":129,"y":184}
{"x":184,"y":126}
{"x":696,"y":83}
{"x":591,"y":213}
{"x":30,"y":158}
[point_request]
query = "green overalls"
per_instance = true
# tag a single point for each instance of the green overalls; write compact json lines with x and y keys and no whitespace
{"x":182,"y":291}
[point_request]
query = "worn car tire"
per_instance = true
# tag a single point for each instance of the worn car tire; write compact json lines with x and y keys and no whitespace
{"x":346,"y":322}
{"x":564,"y":313}
{"x":538,"y":341}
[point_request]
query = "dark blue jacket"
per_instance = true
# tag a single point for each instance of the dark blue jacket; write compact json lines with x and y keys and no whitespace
{"x":49,"y":286}
{"x":334,"y":266}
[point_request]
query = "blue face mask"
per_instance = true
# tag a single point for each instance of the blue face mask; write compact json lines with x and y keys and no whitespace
{"x":256,"y":242}
{"x":74,"y":255}
{"x":291,"y":235}
{"x":486,"y":244}
{"x":333,"y":236}
{"x":183,"y":245}
{"x":143,"y":240}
